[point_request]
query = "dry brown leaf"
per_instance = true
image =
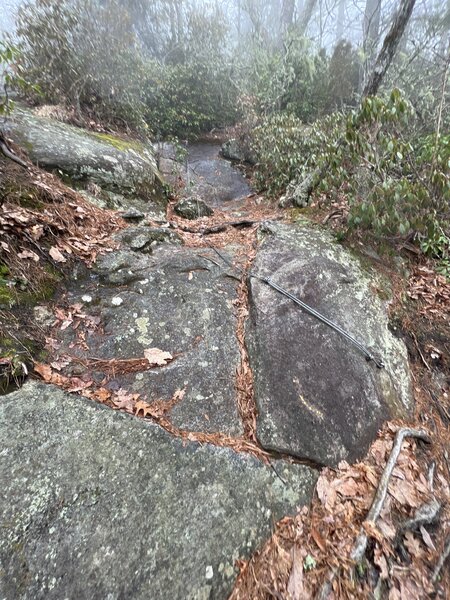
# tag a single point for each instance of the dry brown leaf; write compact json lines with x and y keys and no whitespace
{"x":404,"y":492}
{"x":316,"y":536}
{"x":326,"y":492}
{"x":78,"y":385}
{"x":413,"y":545}
{"x":29,"y":254}
{"x":45,"y":371}
{"x":56,"y":254}
{"x":144,"y":407}
{"x":157,"y":357}
{"x":102,"y":394}
{"x":380,"y":560}
{"x":427,"y":538}
{"x":296,"y":588}
{"x":348,"y":487}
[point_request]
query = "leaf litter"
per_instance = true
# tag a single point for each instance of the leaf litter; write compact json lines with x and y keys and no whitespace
{"x":297,"y":560}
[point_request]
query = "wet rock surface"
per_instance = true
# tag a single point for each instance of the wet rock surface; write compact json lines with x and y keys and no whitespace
{"x":180,"y":302}
{"x":96,"y":504}
{"x":205,"y":174}
{"x":317,"y":396}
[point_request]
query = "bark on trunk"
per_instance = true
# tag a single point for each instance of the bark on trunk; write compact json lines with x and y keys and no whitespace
{"x":306,"y":15}
{"x":390,"y":44}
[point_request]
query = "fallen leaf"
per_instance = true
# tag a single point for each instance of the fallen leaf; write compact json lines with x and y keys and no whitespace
{"x":427,"y":538}
{"x":318,"y":539}
{"x":28,"y":254}
{"x":413,"y":545}
{"x":102,"y":394}
{"x":348,"y":487}
{"x":157,"y":357}
{"x":45,"y":371}
{"x":296,"y":588}
{"x":55,"y":253}
{"x":142,"y":406}
{"x":380,"y":560}
{"x":78,"y":385}
{"x":326,"y":492}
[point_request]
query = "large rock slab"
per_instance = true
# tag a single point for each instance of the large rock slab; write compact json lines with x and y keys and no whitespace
{"x":97,"y":504}
{"x":178,"y":301}
{"x":317,"y":396}
{"x":127,"y":168}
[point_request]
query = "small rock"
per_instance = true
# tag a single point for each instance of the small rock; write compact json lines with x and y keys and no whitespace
{"x":43,"y":316}
{"x":143,"y":239}
{"x":132,"y":214}
{"x":209,"y":574}
{"x":193,"y":208}
{"x":116,"y":301}
{"x":87,"y":299}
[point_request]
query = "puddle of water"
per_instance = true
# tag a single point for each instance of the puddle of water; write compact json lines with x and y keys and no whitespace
{"x":217,"y":181}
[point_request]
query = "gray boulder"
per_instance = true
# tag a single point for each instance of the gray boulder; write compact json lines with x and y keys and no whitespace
{"x":145,"y":239}
{"x":97,"y":504}
{"x":115,"y":165}
{"x":238,"y":150}
{"x":233,"y":150}
{"x":176,"y":300}
{"x":193,"y":208}
{"x":317,"y":396}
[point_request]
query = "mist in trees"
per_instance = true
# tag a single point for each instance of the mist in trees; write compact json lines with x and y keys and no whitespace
{"x":317,"y":90}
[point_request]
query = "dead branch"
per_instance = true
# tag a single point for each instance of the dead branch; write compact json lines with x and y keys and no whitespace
{"x":427,"y":514}
{"x":360,"y":545}
{"x":445,"y":554}
{"x":9,"y":154}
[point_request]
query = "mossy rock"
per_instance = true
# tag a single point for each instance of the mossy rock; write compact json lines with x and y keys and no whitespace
{"x":124,"y":166}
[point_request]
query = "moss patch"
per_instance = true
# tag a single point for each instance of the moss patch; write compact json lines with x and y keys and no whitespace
{"x":120,"y":143}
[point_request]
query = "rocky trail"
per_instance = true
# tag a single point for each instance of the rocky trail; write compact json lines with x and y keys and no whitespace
{"x":186,"y":406}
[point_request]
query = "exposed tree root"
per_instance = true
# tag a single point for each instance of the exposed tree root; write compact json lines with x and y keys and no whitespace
{"x":360,"y":546}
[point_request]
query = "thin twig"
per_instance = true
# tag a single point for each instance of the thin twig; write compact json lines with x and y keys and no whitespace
{"x":361,"y":541}
{"x":445,"y":554}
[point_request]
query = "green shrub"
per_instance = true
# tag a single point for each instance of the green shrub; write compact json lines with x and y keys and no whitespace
{"x":396,"y":181}
{"x":286,"y":149}
{"x":83,"y":53}
{"x":193,"y":91}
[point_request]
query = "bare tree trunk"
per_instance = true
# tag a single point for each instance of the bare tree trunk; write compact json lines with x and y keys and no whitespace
{"x":301,"y":192}
{"x":287,"y":14}
{"x":306,"y":15}
{"x":371,"y":31}
{"x":340,"y":21}
{"x":390,"y":44}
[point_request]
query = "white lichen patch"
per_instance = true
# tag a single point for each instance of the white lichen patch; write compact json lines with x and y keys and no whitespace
{"x":142,"y":324}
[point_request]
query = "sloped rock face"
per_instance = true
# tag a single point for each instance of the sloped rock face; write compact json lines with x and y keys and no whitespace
{"x":176,"y":300}
{"x":117,"y":166}
{"x":317,"y":396}
{"x":97,"y":504}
